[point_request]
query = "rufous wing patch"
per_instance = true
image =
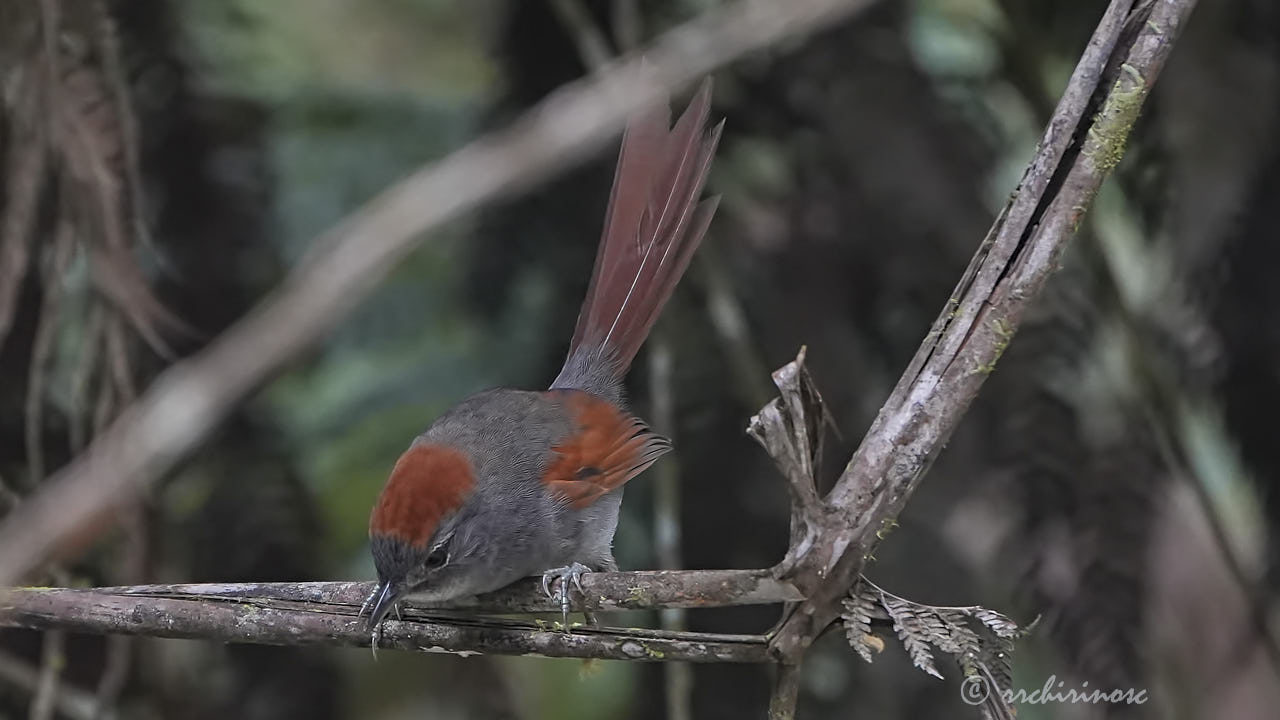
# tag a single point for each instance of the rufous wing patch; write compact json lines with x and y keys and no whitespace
{"x":427,"y":483}
{"x":607,"y":448}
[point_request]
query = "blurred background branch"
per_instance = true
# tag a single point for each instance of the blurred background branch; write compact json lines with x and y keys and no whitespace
{"x":67,"y":702}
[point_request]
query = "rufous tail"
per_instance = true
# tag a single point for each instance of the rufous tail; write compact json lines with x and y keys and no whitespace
{"x":652,"y":227}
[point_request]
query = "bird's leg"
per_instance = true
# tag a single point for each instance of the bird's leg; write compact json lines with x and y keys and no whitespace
{"x":376,"y":632}
{"x":369,"y":601}
{"x":567,"y":574}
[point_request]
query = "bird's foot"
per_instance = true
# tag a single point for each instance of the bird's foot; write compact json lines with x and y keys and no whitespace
{"x":567,"y":574}
{"x":375,"y":631}
{"x":368,"y":602}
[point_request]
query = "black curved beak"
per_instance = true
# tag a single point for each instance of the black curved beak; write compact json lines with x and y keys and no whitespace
{"x":387,"y":594}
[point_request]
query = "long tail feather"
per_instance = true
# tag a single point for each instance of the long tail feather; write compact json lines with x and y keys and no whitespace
{"x":653,"y":225}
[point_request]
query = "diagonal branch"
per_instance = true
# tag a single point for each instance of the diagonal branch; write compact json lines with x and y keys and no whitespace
{"x":1082,"y":145}
{"x":186,"y":402}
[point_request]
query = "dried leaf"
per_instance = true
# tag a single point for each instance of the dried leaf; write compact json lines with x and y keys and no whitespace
{"x":963,"y":641}
{"x":999,"y":624}
{"x":974,"y":636}
{"x":913,"y":632}
{"x":857,"y":619}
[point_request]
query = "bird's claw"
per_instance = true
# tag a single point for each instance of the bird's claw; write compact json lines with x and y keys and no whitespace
{"x":567,"y":574}
{"x":368,"y":602}
{"x":377,"y":630}
{"x":375,"y":635}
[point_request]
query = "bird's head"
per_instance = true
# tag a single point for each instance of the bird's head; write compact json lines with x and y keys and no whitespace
{"x":413,"y":530}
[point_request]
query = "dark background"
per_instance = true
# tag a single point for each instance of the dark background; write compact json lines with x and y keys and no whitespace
{"x":1117,"y":476}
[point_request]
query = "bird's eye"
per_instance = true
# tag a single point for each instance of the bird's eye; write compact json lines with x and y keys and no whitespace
{"x":438,"y":557}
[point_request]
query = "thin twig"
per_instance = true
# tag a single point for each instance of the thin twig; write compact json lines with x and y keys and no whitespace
{"x":87,"y":356}
{"x":121,"y":648}
{"x":42,"y":349}
{"x":52,"y":660}
{"x":593,"y":48}
{"x":115,"y":672}
{"x":106,"y":36}
{"x":71,"y":702}
{"x":627,"y":24}
{"x":677,"y":677}
{"x":104,"y":405}
{"x":729,"y":320}
{"x":117,"y":360}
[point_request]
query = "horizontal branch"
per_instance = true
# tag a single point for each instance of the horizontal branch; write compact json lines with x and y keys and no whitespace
{"x":325,"y":613}
{"x":641,"y":590}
